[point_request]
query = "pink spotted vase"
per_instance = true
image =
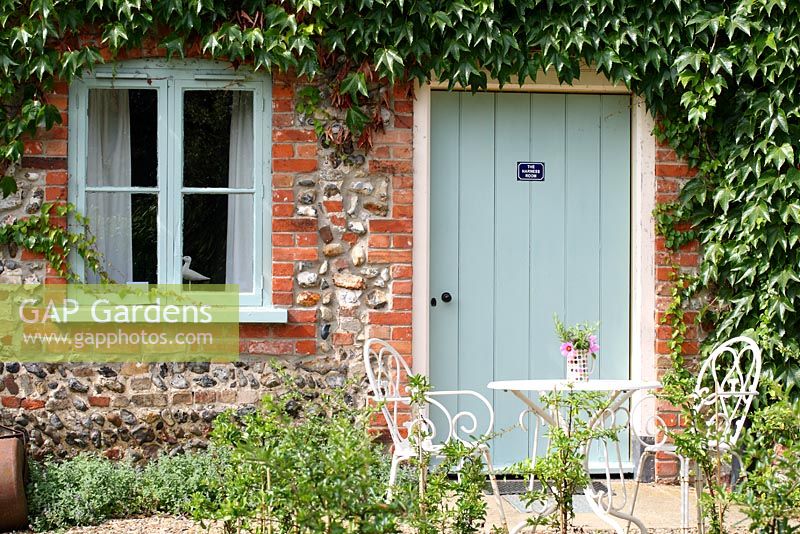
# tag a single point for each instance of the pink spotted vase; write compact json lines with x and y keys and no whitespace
{"x":580,"y":364}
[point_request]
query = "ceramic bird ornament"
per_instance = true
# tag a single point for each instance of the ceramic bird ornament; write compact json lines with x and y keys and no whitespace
{"x":190,"y":275}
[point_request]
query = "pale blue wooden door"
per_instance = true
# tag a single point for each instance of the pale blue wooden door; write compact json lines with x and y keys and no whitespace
{"x":513,"y":253}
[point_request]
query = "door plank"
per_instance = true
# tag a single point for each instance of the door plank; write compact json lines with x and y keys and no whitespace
{"x":615,"y":186}
{"x":547,"y":273}
{"x":548,"y":206}
{"x":512,"y":264}
{"x":444,"y":186}
{"x":582,"y":210}
{"x":474,"y":296}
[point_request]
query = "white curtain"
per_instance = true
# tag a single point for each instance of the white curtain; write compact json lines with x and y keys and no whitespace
{"x":239,"y":251}
{"x":109,"y":164}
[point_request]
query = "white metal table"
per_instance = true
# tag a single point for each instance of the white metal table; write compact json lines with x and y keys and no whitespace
{"x":620,"y":391}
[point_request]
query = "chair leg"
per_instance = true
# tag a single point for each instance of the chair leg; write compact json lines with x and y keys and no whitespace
{"x":684,"y":479}
{"x":495,"y":488}
{"x":636,"y":487}
{"x":392,"y":476}
{"x":698,"y":485}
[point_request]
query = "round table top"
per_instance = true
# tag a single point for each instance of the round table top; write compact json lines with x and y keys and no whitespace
{"x":564,"y":385}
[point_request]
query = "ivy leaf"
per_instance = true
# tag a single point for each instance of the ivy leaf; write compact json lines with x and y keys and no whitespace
{"x":458,"y":8}
{"x":41,"y":7}
{"x":20,"y":35}
{"x":211,"y":42}
{"x":115,"y":35}
{"x":173,"y":44}
{"x":604,"y":60}
{"x":356,"y":119}
{"x":756,"y":214}
{"x":778,"y":121}
{"x":794,"y":235}
{"x":41,"y":66}
{"x":723,"y":197}
{"x":691,"y":58}
{"x":775,"y":235}
{"x":440,"y":18}
{"x":793,"y":176}
{"x":354,"y":84}
{"x":780,"y":155}
{"x":307,"y":5}
{"x":791,"y":211}
{"x":388,"y":58}
{"x":721,"y":60}
{"x":785,"y":277}
{"x":8,"y":185}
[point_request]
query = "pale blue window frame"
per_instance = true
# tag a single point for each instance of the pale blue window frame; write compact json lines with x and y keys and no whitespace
{"x":171,"y":79}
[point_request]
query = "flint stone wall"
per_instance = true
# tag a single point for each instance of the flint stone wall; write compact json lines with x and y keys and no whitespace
{"x":18,"y":266}
{"x":341,"y":264}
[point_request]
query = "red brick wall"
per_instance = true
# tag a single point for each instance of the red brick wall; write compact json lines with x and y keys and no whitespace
{"x":671,"y":174}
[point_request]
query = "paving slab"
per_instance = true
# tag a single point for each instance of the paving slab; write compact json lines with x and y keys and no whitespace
{"x":658,"y":506}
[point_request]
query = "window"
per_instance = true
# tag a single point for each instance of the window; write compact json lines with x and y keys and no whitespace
{"x":170,"y":162}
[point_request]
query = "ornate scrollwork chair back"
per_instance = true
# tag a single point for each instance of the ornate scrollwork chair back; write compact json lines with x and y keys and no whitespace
{"x":727,"y":383}
{"x":387,"y":374}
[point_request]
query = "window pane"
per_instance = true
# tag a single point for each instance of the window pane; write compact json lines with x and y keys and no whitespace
{"x":218,"y":237}
{"x":218,"y":139}
{"x":122,"y":138}
{"x":126,"y":230}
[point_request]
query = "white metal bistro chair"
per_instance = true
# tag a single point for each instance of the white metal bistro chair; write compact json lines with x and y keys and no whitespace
{"x":387,"y":372}
{"x":726,"y":385}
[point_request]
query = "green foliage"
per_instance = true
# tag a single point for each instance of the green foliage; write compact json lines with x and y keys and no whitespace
{"x":89,"y":489}
{"x":85,"y":490}
{"x":169,"y":483}
{"x":697,"y":440}
{"x":721,"y":76}
{"x":41,"y":233}
{"x":298,"y":464}
{"x":449,"y":495}
{"x":561,"y":470}
{"x":450,"y":503}
{"x":580,"y":335}
{"x":770,"y":493}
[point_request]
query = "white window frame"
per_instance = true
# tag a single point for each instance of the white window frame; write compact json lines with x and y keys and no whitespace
{"x":172,"y":79}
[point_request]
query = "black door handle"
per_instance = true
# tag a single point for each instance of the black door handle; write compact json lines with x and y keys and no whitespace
{"x":446,"y":297}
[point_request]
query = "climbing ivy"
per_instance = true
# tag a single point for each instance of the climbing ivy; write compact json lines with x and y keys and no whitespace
{"x":46,"y":233}
{"x":719,"y":75}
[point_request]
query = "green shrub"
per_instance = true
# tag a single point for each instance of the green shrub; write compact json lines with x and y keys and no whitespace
{"x":89,"y":489}
{"x":437,"y":499}
{"x":561,"y":471}
{"x":770,"y":492}
{"x":298,"y":465}
{"x":85,"y":490}
{"x":169,"y":483}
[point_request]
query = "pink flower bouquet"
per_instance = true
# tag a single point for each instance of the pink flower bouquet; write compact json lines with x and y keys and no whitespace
{"x":577,"y":337}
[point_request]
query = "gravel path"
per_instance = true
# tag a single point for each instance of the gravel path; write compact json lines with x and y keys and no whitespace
{"x":180,"y":525}
{"x":160,"y":524}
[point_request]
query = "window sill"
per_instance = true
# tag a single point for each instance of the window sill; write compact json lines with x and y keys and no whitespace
{"x":247,"y":314}
{"x":263,"y":314}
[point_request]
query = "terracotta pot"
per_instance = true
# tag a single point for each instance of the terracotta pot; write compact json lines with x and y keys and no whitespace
{"x":13,"y":504}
